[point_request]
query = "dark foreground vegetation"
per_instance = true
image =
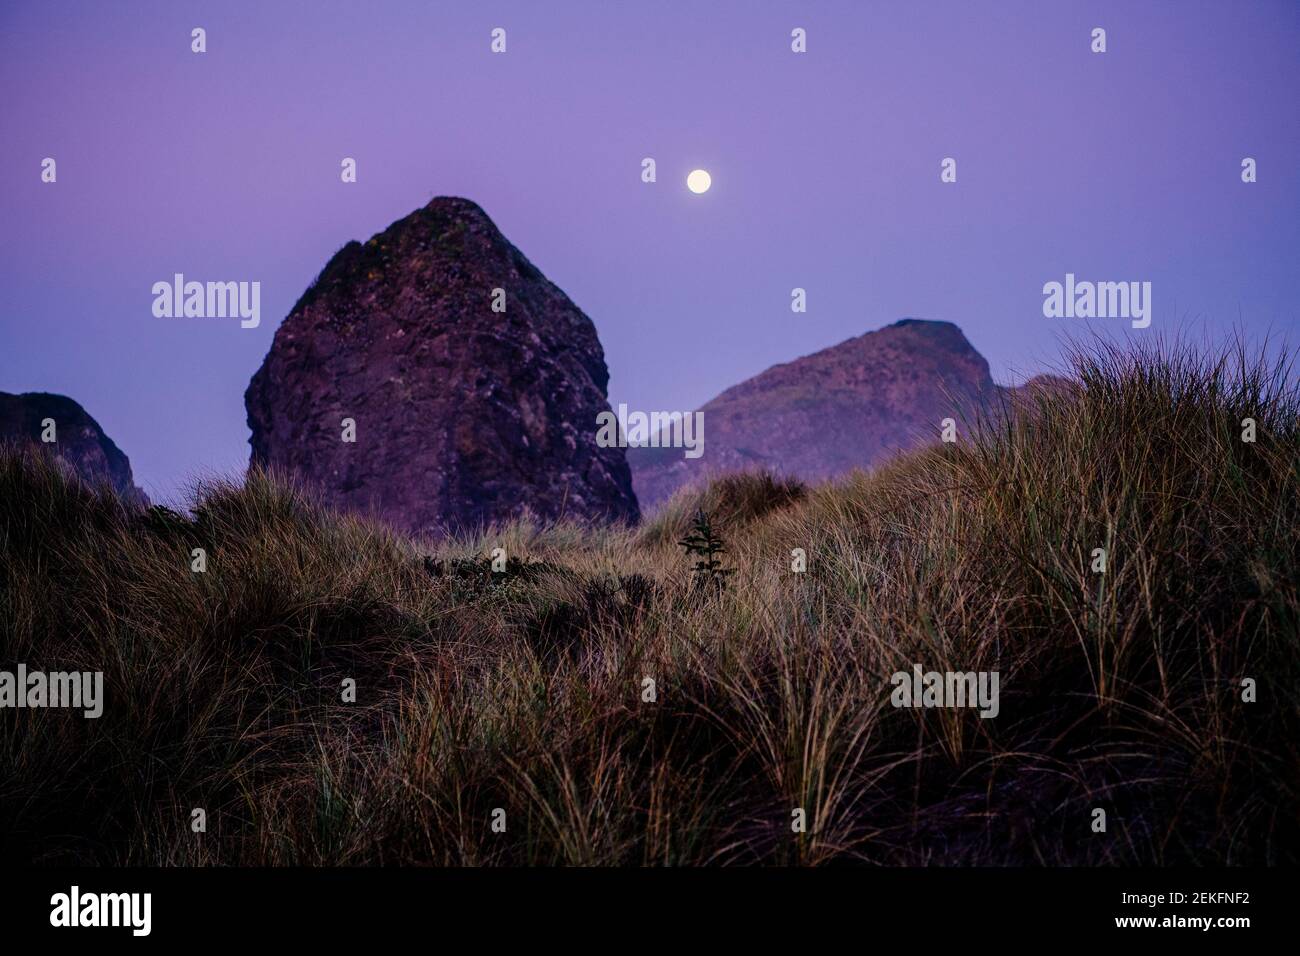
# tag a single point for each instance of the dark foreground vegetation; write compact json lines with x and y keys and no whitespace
{"x":524,"y":689}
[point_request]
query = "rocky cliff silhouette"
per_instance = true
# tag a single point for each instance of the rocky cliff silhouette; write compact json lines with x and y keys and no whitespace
{"x":848,"y":406}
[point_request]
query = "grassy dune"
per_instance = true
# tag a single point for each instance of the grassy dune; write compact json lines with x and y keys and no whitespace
{"x":523,"y":690}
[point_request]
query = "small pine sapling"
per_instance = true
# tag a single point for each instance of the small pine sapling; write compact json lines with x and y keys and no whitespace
{"x":704,"y":543}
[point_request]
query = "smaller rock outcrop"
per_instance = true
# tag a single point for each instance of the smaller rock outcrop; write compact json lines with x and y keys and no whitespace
{"x":80,"y":444}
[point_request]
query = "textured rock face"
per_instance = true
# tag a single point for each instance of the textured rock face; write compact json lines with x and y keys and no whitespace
{"x":845,"y":407}
{"x":81,"y":444}
{"x":463,"y":416}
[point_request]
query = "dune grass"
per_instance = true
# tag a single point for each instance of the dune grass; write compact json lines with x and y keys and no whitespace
{"x":524,"y":690}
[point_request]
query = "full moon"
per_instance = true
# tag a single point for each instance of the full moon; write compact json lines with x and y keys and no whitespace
{"x":699,"y":181}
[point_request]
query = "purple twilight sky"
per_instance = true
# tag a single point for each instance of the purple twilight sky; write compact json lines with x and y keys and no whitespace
{"x":225,"y":166}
